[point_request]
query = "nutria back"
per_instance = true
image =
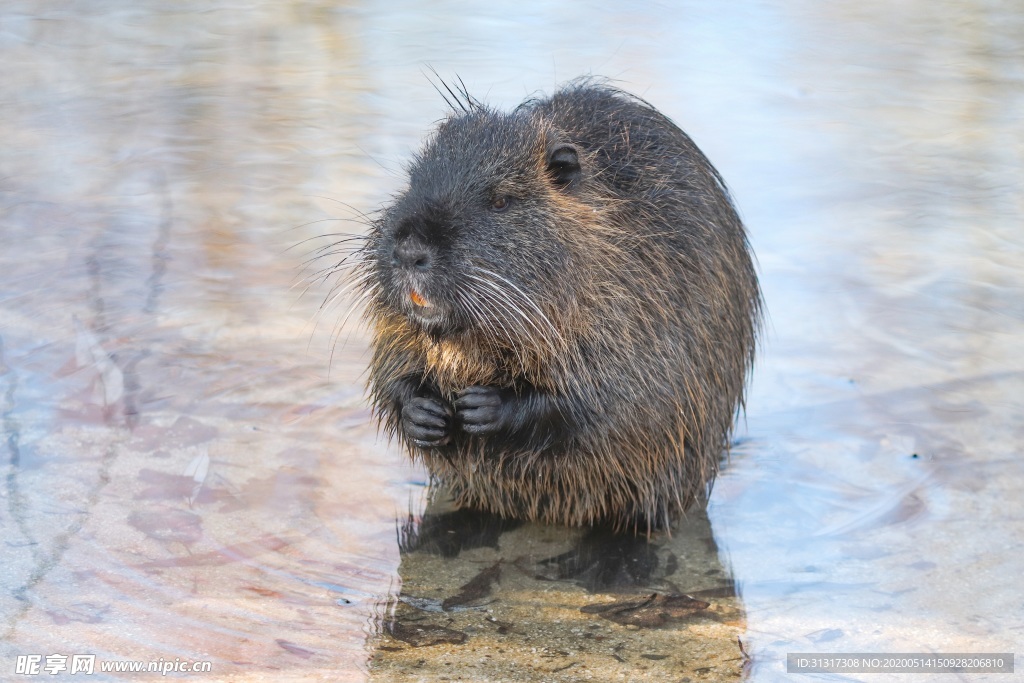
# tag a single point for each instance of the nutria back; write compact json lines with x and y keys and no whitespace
{"x":564,"y":308}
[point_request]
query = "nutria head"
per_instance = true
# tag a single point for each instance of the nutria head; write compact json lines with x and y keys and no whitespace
{"x":475,"y":245}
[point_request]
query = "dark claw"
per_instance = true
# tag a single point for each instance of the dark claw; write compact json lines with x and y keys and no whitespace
{"x":424,"y":417}
{"x":479,"y":410}
{"x":426,"y":421}
{"x":420,"y":443}
{"x":478,"y":397}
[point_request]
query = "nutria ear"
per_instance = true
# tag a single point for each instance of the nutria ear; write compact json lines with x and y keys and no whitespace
{"x":564,"y":165}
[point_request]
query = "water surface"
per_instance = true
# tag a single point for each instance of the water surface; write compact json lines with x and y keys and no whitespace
{"x":191,"y":470}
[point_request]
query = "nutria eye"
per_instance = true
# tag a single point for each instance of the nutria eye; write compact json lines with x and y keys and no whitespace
{"x":499,"y":204}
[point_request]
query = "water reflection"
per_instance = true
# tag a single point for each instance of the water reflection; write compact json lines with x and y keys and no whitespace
{"x":498,"y":599}
{"x":182,"y":480}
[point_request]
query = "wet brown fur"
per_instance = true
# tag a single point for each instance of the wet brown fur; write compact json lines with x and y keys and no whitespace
{"x":642,"y":327}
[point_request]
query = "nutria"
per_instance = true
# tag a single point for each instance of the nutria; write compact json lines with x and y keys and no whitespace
{"x":564,"y":310}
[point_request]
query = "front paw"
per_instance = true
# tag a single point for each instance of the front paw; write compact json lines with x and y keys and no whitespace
{"x":481,"y":410}
{"x":427,"y":421}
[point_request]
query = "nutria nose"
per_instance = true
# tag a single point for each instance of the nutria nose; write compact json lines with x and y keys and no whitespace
{"x":410,"y":254}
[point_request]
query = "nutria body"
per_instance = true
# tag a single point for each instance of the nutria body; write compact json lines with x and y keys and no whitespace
{"x":564,"y":309}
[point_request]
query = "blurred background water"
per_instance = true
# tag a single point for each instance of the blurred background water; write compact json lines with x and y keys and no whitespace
{"x":191,"y":471}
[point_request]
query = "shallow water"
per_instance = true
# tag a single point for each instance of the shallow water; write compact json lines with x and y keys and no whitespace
{"x":191,"y":472}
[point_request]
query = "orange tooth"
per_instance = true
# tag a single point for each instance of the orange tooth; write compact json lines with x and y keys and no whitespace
{"x":418,"y":299}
